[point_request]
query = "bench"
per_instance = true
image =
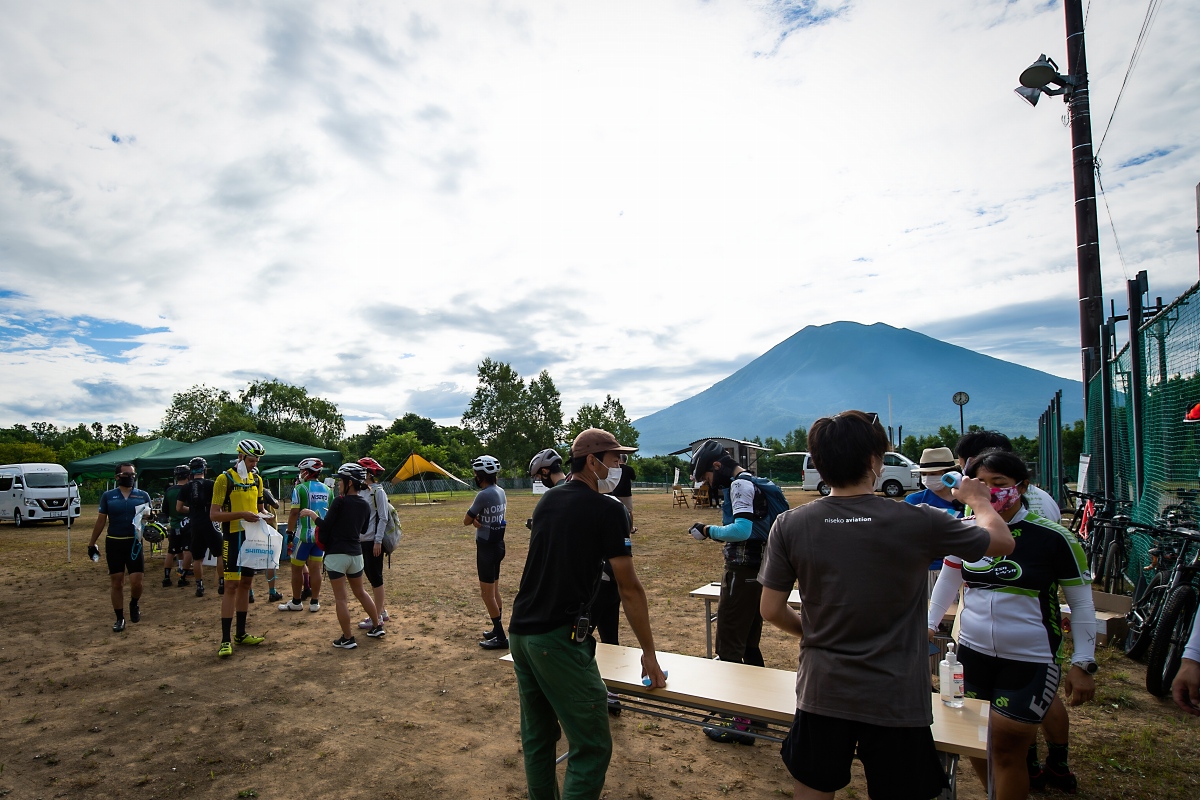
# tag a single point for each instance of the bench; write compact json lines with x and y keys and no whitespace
{"x":698,"y":688}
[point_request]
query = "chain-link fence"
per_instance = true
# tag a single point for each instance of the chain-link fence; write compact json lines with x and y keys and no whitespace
{"x":1158,"y":470}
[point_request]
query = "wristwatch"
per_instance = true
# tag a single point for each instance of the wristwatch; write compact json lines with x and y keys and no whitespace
{"x":1090,"y":667}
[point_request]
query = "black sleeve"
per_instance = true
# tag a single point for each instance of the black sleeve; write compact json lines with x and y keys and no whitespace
{"x":328,"y":523}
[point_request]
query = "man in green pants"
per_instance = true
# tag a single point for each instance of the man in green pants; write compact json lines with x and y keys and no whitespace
{"x":574,"y":529}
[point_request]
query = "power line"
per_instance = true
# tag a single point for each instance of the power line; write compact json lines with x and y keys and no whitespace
{"x":1104,"y":197}
{"x":1147,"y":22}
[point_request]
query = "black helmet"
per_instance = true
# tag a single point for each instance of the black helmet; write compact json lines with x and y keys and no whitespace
{"x":198,"y":465}
{"x":703,"y":458}
{"x":354,"y":472}
{"x":182,"y":471}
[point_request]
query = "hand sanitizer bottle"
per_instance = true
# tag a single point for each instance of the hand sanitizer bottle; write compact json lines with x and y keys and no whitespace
{"x":950,"y":679}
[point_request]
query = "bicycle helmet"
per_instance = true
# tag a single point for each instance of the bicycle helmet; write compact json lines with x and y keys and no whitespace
{"x":354,"y":472}
{"x":251,"y":447}
{"x":198,"y":465}
{"x":703,"y":458}
{"x":486,"y":464}
{"x":182,"y":471}
{"x":154,"y":532}
{"x":547,"y":459}
{"x":314,"y":465}
{"x":371,"y":465}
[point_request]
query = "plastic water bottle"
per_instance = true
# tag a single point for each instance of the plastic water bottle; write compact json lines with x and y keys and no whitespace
{"x":950,"y":679}
{"x":952,"y":480}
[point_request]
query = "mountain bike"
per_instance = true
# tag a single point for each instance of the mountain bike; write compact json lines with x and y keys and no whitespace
{"x":1174,"y":624}
{"x":1150,"y":593}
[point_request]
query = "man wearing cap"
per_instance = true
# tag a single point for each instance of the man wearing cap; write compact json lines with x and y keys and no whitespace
{"x":574,"y":529}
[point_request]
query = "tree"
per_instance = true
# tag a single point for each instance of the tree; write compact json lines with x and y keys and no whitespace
{"x":288,"y":412}
{"x":1072,"y":446}
{"x":201,"y":412}
{"x":513,"y":421}
{"x":609,"y":415}
{"x":26,"y":453}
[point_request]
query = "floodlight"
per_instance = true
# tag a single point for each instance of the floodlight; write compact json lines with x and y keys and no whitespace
{"x":1040,"y":73}
{"x":1029,"y":95}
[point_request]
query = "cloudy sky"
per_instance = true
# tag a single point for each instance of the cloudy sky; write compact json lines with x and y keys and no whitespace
{"x":368,"y":198}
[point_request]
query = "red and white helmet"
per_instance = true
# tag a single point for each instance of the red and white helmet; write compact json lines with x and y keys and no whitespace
{"x":314,"y":465}
{"x":371,"y":465}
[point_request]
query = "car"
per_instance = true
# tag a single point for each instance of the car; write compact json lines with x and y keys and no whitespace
{"x":31,"y":493}
{"x":898,"y":477}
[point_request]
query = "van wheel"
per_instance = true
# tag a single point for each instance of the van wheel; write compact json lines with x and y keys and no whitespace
{"x":824,"y":489}
{"x":893,"y":489}
{"x":17,"y":519}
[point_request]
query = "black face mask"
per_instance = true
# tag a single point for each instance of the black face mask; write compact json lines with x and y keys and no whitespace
{"x":722,"y":477}
{"x":549,"y":484}
{"x":125,"y":480}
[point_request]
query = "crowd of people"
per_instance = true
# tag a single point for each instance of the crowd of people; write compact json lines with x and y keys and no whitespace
{"x":875,"y":578}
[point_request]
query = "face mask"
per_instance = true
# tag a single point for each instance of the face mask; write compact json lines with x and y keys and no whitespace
{"x":549,"y":484}
{"x":609,"y":482}
{"x":242,"y":472}
{"x":125,"y":480}
{"x":1003,"y":499}
{"x":722,"y":477}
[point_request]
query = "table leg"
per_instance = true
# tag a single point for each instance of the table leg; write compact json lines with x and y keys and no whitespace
{"x":708,"y":621}
{"x":950,"y":764}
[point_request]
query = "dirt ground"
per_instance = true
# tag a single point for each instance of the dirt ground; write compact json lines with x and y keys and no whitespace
{"x":424,"y":712}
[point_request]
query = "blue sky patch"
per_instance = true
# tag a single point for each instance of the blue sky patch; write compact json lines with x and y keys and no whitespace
{"x":109,"y":339}
{"x":1150,"y":156}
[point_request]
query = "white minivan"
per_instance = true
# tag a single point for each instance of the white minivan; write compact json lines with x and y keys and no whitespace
{"x":31,"y":493}
{"x":898,"y":477}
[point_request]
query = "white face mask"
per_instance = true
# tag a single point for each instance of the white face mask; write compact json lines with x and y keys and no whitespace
{"x":608,"y":483}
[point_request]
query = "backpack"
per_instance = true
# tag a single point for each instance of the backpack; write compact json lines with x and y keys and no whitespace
{"x":391,"y":529}
{"x":769,"y":501}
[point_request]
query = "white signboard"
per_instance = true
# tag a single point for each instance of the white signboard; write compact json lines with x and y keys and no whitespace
{"x":1084,"y":462}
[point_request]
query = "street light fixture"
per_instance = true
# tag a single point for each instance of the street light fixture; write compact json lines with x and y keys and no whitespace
{"x":1038,"y":77}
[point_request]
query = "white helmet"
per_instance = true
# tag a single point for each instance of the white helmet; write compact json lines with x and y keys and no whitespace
{"x":546,"y":459}
{"x":488,"y":465}
{"x":251,"y":447}
{"x":354,"y":472}
{"x":314,"y":465}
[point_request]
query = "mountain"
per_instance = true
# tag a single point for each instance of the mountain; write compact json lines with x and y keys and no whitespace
{"x":824,"y":369}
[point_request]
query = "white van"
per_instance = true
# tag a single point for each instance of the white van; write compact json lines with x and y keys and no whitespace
{"x":31,"y":493}
{"x":899,"y":476}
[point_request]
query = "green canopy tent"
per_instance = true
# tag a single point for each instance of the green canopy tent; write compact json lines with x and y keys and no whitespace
{"x":221,"y":451}
{"x":104,"y":465}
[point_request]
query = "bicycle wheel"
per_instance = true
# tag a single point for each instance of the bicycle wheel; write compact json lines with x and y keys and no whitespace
{"x":1170,"y":637}
{"x":1099,"y":547}
{"x":1143,"y":615}
{"x":1115,"y":581}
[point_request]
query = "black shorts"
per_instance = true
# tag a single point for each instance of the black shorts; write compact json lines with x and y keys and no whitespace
{"x":900,"y":763}
{"x":117,"y":553}
{"x":205,"y":538}
{"x":178,"y":539}
{"x":372,"y":566}
{"x":488,"y":556}
{"x":1019,"y":690}
{"x":231,"y":545}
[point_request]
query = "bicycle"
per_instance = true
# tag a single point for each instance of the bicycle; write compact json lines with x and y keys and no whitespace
{"x":1174,"y":623}
{"x":1149,"y":594}
{"x":1183,"y":513}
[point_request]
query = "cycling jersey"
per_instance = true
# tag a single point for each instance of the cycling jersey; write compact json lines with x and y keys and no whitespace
{"x":242,"y":496}
{"x":121,"y":511}
{"x":174,"y":492}
{"x":1010,"y":606}
{"x":314,"y":495}
{"x":744,"y":536}
{"x":488,"y":508}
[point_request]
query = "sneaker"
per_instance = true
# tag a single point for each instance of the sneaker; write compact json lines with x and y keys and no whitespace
{"x":1063,"y":781}
{"x":119,"y":625}
{"x":291,"y":606}
{"x":376,"y":632}
{"x":249,"y":639}
{"x":199,"y":591}
{"x":385,"y":616}
{"x":314,"y":606}
{"x":345,"y":643}
{"x":495,"y":643}
{"x":226,"y":650}
{"x":614,"y":705}
{"x":726,"y":731}
{"x":183,"y":582}
{"x":274,"y":596}
{"x":251,"y":595}
{"x":166,"y":583}
{"x":307,"y":593}
{"x":135,"y":612}
{"x":492,"y":634}
{"x":221,"y":585}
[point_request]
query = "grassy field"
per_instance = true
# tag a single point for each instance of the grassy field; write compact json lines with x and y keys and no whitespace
{"x":152,"y":713}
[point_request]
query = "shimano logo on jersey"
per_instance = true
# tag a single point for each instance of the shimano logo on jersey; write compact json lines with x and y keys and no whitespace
{"x":843,"y":520}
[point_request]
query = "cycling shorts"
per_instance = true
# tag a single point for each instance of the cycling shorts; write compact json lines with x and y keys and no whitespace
{"x":1019,"y":690}
{"x":118,"y":553}
{"x":900,"y":763}
{"x":205,"y":538}
{"x":340,"y":565}
{"x":232,"y":545}
{"x":303,"y":552}
{"x":372,"y":565}
{"x":488,"y":556}
{"x":178,"y":540}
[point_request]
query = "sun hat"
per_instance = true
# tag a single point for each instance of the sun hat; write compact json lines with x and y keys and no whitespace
{"x":594,"y":440}
{"x":937,"y":459}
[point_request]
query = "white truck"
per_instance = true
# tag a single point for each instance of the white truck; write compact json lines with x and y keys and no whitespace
{"x":899,"y":475}
{"x":31,"y":493}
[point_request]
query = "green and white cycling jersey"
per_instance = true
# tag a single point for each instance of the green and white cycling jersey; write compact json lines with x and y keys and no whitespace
{"x":1010,"y":605}
{"x":314,"y":495}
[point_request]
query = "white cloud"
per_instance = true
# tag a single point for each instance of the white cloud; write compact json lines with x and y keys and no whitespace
{"x":637,"y":197}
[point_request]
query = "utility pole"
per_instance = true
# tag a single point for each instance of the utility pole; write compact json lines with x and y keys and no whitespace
{"x":1087,"y":253}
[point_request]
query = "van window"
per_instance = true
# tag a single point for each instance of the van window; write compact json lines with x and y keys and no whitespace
{"x":46,"y":480}
{"x":808,"y":463}
{"x":5,"y":483}
{"x":892,"y":460}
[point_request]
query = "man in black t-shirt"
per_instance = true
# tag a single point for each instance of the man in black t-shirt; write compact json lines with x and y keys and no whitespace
{"x":194,"y":501}
{"x":574,"y":529}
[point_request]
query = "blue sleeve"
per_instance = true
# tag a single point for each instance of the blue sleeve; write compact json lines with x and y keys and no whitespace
{"x":739,"y":531}
{"x":103,"y":509}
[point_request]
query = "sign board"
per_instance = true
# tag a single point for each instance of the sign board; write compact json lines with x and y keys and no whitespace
{"x":1084,"y":462}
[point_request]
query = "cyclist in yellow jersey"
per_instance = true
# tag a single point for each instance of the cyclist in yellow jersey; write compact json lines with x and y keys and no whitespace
{"x":244,"y":491}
